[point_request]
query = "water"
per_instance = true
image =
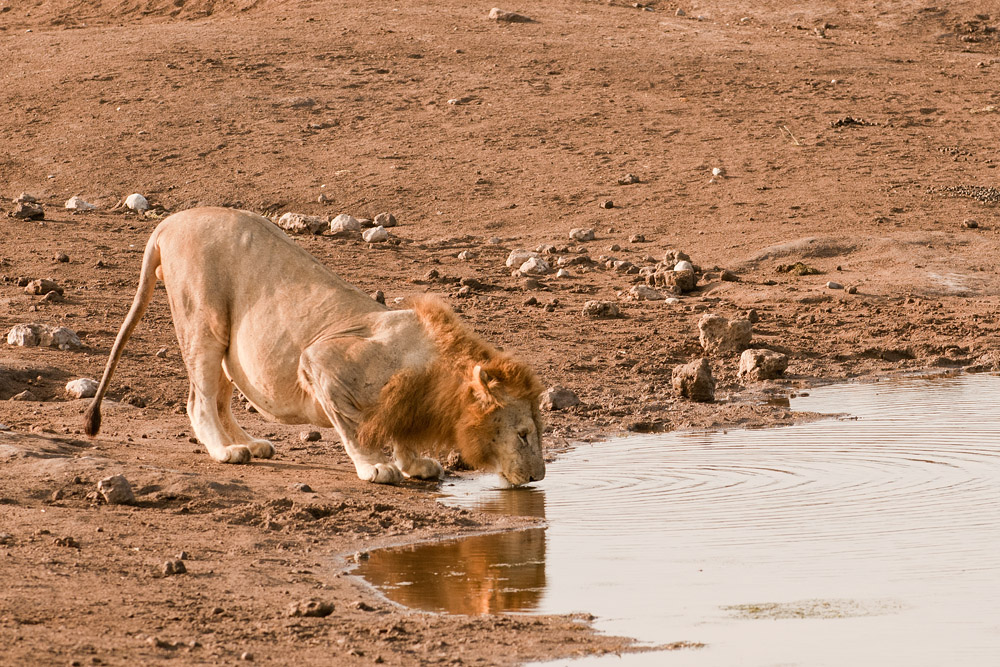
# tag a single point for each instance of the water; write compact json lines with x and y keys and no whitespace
{"x":872,"y":539}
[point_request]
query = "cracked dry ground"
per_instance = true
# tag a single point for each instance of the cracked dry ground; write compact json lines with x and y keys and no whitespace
{"x":853,"y":138}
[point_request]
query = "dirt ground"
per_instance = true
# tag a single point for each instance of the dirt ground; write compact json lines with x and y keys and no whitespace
{"x":855,"y":137}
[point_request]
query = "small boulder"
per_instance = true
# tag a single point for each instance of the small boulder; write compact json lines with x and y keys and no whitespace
{"x":345,"y":225}
{"x":77,"y":203}
{"x":519,"y":256}
{"x":311,"y":608}
{"x":82,"y":388}
{"x":601,"y":310}
{"x":136,"y":202}
{"x":375,"y":235}
{"x":25,"y":335}
{"x":558,"y":398}
{"x":299,"y":223}
{"x":60,"y":337}
{"x":310,"y":436}
{"x":694,"y":381}
{"x":759,"y":364}
{"x":25,"y":395}
{"x":385,"y":220}
{"x":582,"y":234}
{"x":628,"y":179}
{"x":834,"y":285}
{"x":497,"y":14}
{"x":729,"y":276}
{"x":535,"y":266}
{"x":645,"y":293}
{"x":28,"y":211}
{"x":43,"y":286}
{"x":174,"y":567}
{"x":720,"y":336}
{"x":116,"y":490}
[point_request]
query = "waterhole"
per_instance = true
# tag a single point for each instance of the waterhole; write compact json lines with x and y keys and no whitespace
{"x":870,"y":538}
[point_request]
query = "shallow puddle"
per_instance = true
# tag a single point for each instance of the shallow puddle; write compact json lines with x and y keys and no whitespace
{"x":868,"y":539}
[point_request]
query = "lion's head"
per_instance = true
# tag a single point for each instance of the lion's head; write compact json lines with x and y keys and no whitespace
{"x":501,"y":428}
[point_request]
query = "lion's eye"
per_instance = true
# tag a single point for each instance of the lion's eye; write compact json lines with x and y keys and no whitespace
{"x":523,"y":437}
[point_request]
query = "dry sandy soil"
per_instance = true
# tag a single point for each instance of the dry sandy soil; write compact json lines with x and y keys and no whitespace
{"x":855,"y":137}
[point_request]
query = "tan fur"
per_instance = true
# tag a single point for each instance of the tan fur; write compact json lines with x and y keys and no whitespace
{"x":305,"y":347}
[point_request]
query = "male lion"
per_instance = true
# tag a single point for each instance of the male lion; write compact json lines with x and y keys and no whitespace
{"x":253,"y":309}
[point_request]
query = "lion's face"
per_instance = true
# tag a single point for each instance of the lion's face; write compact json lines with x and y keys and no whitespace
{"x":512,"y":442}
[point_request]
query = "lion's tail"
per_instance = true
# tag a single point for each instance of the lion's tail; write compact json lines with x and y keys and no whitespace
{"x":143,"y":295}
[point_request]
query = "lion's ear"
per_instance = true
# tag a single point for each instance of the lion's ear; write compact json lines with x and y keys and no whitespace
{"x":480,"y":382}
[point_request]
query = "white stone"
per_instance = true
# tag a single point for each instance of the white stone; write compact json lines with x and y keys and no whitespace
{"x":761,"y":364}
{"x":116,"y":490}
{"x":345,"y":225}
{"x":716,"y":171}
{"x":82,"y":388}
{"x":535,"y":266}
{"x":833,"y":285}
{"x":645,"y":293}
{"x":60,"y":337}
{"x":25,"y":335}
{"x":299,"y":223}
{"x":671,"y":300}
{"x":581,"y":234}
{"x":721,"y":336}
{"x":683,"y":265}
{"x":518,"y":257}
{"x":375,"y":235}
{"x":136,"y":202}
{"x":77,"y":203}
{"x":558,"y":398}
{"x":562,"y":273}
{"x":465,"y":255}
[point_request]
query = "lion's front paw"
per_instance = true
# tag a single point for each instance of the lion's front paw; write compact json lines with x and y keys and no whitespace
{"x":261,"y":449}
{"x":237,"y":454}
{"x":425,"y":469}
{"x":381,"y":473}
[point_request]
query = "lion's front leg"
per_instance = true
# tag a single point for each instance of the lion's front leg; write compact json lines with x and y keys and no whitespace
{"x":415,"y":466}
{"x":372,"y":466}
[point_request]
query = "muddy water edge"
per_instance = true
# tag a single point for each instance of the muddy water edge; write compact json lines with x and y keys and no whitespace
{"x":866,"y":538}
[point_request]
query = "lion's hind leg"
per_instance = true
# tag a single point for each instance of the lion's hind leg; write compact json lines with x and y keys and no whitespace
{"x":260,"y":448}
{"x":204,"y":370}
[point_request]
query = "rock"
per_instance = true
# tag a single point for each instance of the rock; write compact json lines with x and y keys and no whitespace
{"x":25,"y":198}
{"x":645,"y":293}
{"x":852,"y":290}
{"x":833,"y":285}
{"x":43,"y":286}
{"x":497,"y":14}
{"x":671,"y":257}
{"x":379,"y":296}
{"x":116,"y":490}
{"x":161,"y":353}
{"x":601,"y":310}
{"x":680,"y":281}
{"x":628,"y":179}
{"x":299,"y":223}
{"x":562,"y":273}
{"x":345,"y":225}
{"x":174,"y":567}
{"x":77,"y":203}
{"x":60,"y":337}
{"x":247,"y":656}
{"x":581,"y":234}
{"x":558,"y":398}
{"x":607,"y":204}
{"x":720,"y":336}
{"x":680,"y":12}
{"x":694,"y":381}
{"x":465,"y":255}
{"x":535,"y":266}
{"x":82,"y":388}
{"x":28,"y":211}
{"x":718,"y":172}
{"x":25,"y":335}
{"x":311,"y":608}
{"x":302,"y":487}
{"x":310,"y":436}
{"x":518,"y":257}
{"x":761,"y":364}
{"x":385,"y":220}
{"x":969,"y":223}
{"x":637,"y":238}
{"x":683,"y":265}
{"x":61,"y":257}
{"x":375,"y":235}
{"x":729,"y":277}
{"x":137,"y":202}
{"x":25,"y":395}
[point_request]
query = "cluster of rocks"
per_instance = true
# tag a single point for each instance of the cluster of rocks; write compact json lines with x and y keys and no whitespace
{"x":27,"y":207}
{"x":43,"y":335}
{"x":341,"y":226}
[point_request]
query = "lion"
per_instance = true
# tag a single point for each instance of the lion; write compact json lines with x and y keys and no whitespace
{"x":253,"y":310}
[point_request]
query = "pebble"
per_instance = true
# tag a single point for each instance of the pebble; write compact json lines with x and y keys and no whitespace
{"x":718,"y":172}
{"x":311,"y":609}
{"x":852,"y":290}
{"x":247,"y":656}
{"x":43,"y":286}
{"x":161,"y":353}
{"x":601,"y":310}
{"x":137,"y":202}
{"x":969,"y":223}
{"x":379,"y":296}
{"x":300,"y":223}
{"x":530,"y":301}
{"x":582,"y":234}
{"x":385,"y":220}
{"x":628,"y":179}
{"x":833,"y":285}
{"x":497,"y":14}
{"x":61,"y":257}
{"x":721,"y":336}
{"x":304,"y":488}
{"x":680,"y":12}
{"x":694,"y":381}
{"x":345,"y":225}
{"x":645,"y":293}
{"x":761,"y":364}
{"x":77,"y":203}
{"x":562,"y":273}
{"x":25,"y":395}
{"x":558,"y":398}
{"x":729,"y":277}
{"x":683,"y":265}
{"x":607,"y":203}
{"x":637,"y":238}
{"x":81,"y":388}
{"x":116,"y":490}
{"x":310,"y":436}
{"x":465,"y":255}
{"x":25,"y":198}
{"x":375,"y":235}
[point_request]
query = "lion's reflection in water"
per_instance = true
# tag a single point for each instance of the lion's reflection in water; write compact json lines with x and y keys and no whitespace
{"x":473,"y":575}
